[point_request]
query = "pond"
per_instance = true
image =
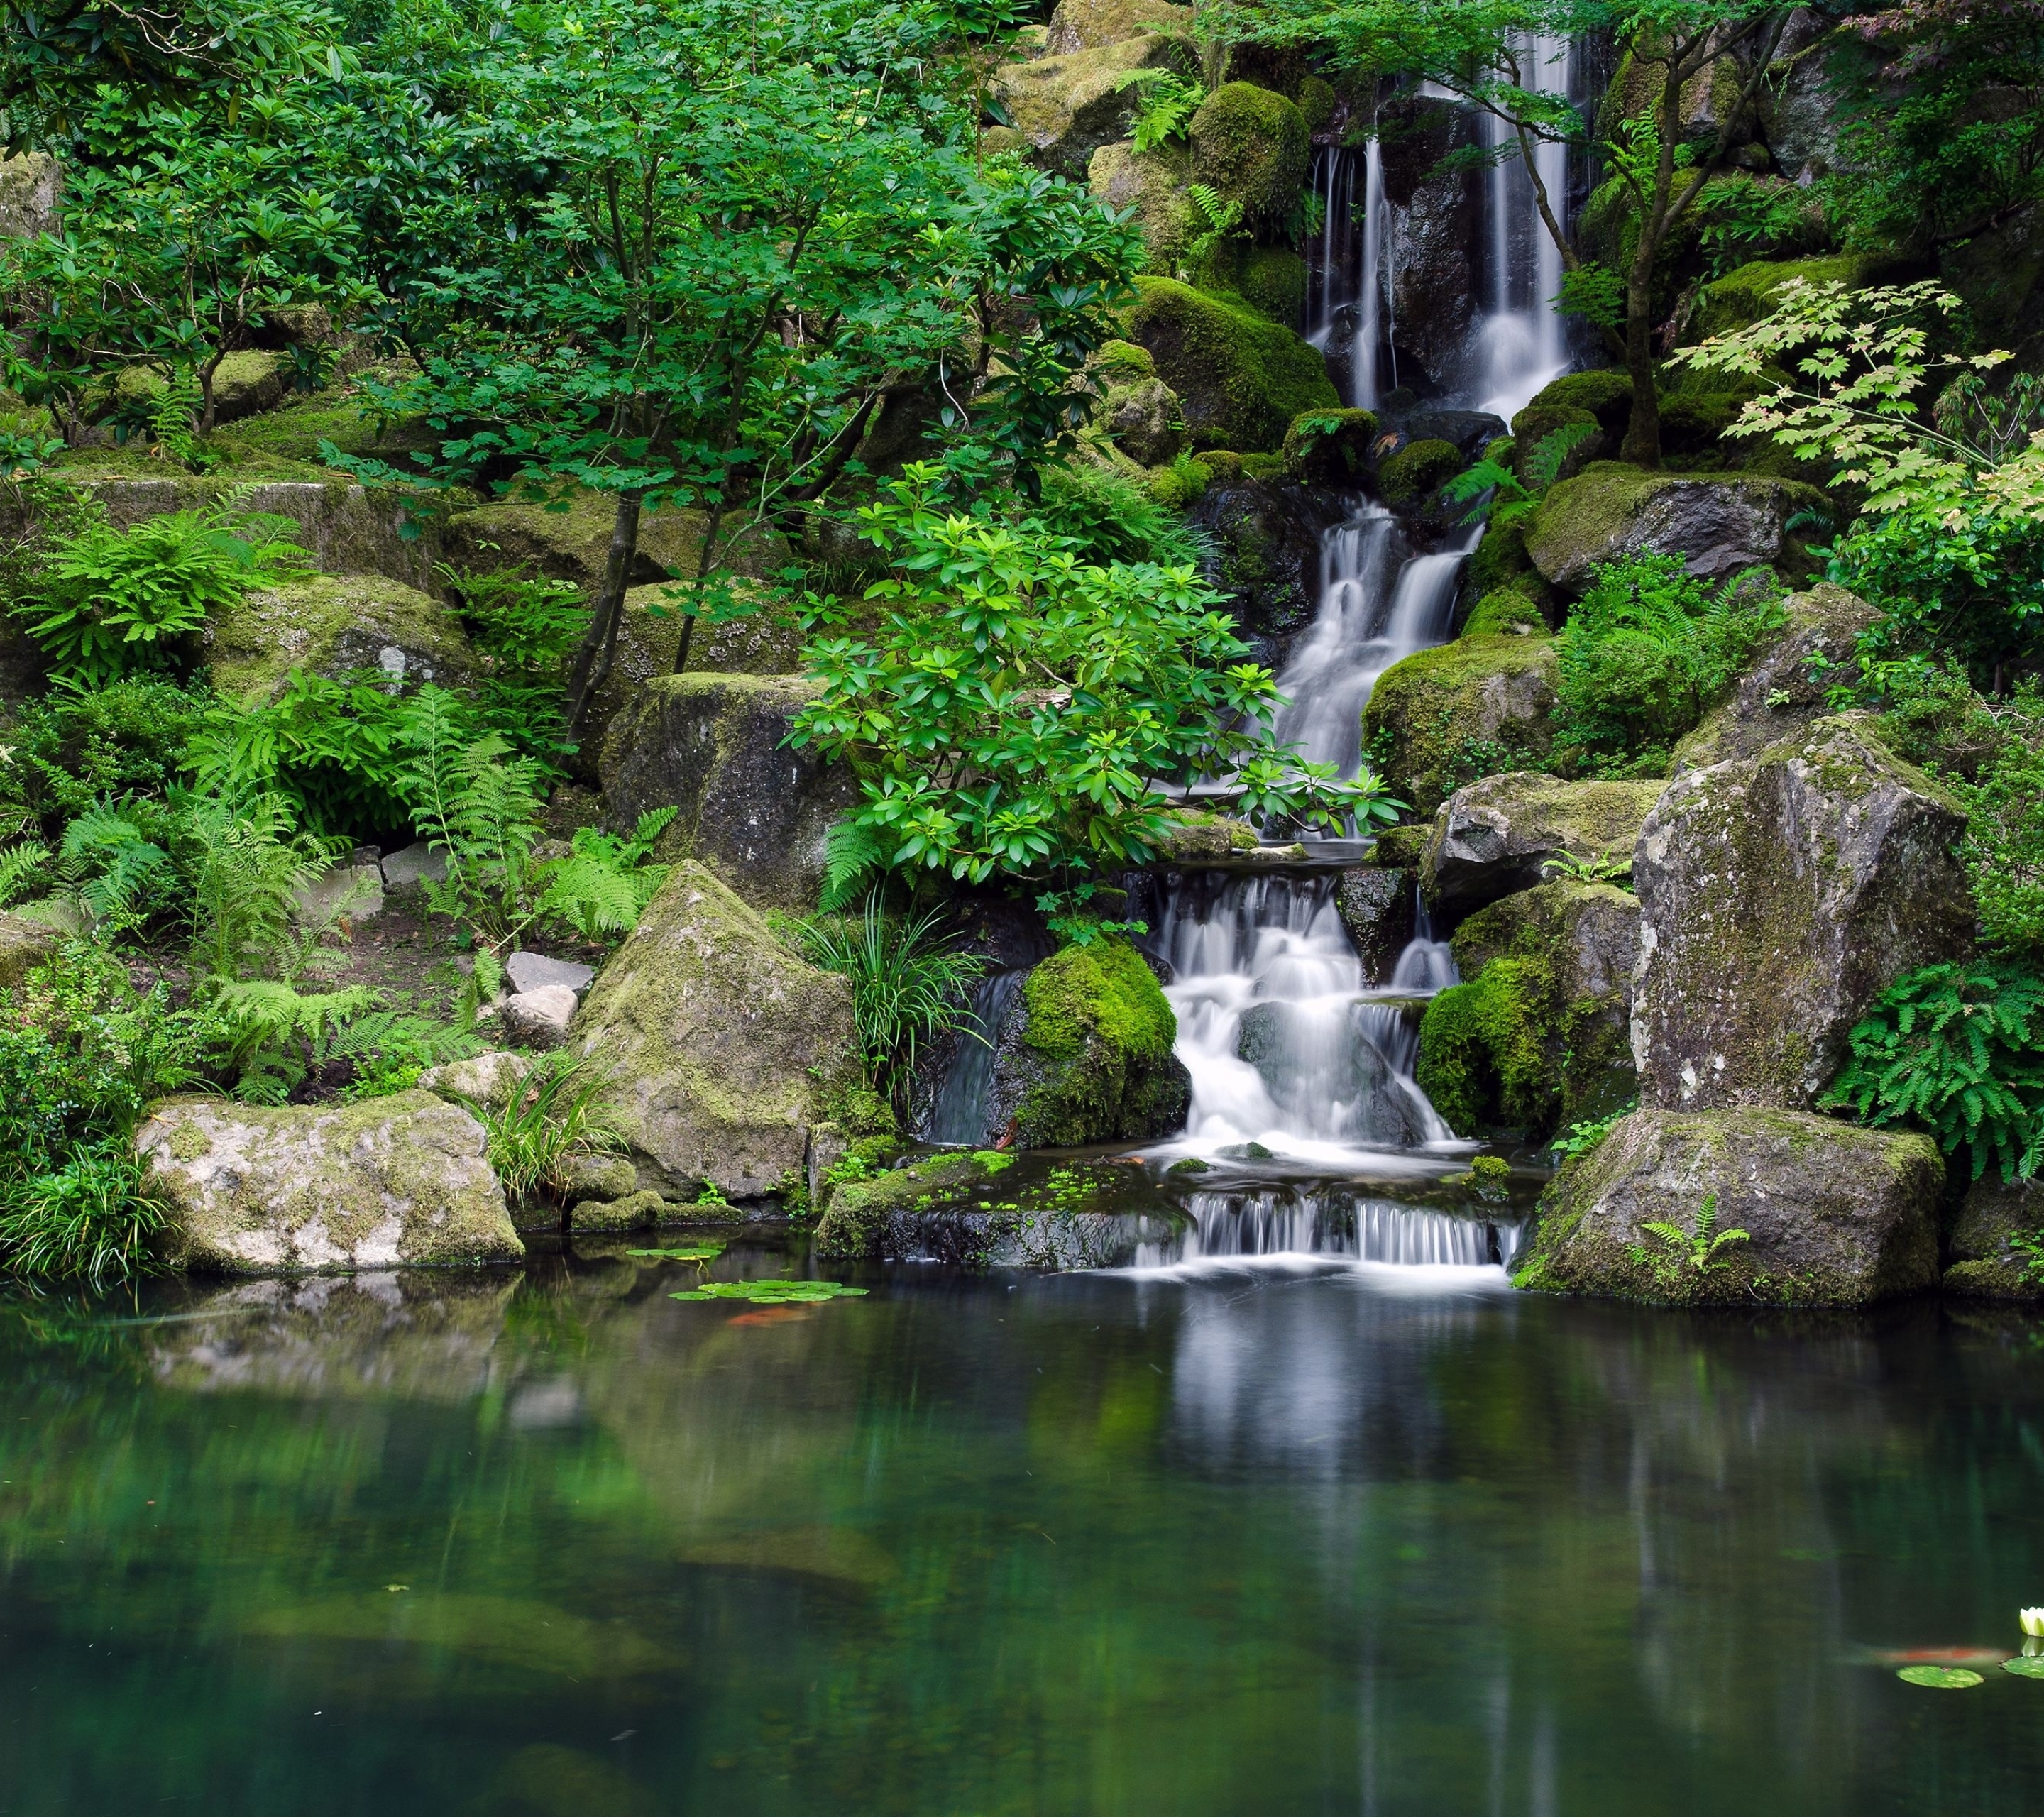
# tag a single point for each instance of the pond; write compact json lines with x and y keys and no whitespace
{"x":1242,"y":1535}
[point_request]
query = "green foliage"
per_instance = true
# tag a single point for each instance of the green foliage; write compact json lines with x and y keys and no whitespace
{"x":1643,"y":653}
{"x":110,"y":601}
{"x":1493,"y":491}
{"x":910,"y":984}
{"x":1417,"y":470}
{"x":1108,"y":514}
{"x":386,"y":1050}
{"x":1168,"y":101}
{"x":1594,"y":292}
{"x":78,"y":746}
{"x":1681,"y":1249}
{"x":526,"y":627}
{"x":1950,"y":1050}
{"x":1217,"y":218}
{"x":553,"y":1121}
{"x":1567,"y":868}
{"x":1583,"y":1138}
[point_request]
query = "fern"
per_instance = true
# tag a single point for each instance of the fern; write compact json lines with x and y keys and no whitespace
{"x":1543,"y":465}
{"x":851,"y":851}
{"x":21,"y":868}
{"x":1168,"y":102}
{"x":1219,"y":219}
{"x":1696,"y":1248}
{"x":603,"y":885}
{"x":1496,"y":494}
{"x":390,"y":1048}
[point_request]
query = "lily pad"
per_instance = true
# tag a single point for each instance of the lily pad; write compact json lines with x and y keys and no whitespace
{"x":2029,"y":1666}
{"x":1940,"y":1677}
{"x":771,"y":1293}
{"x":685,"y":1252}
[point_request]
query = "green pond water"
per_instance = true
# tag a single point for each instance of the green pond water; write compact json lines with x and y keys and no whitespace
{"x":1276,"y":1539}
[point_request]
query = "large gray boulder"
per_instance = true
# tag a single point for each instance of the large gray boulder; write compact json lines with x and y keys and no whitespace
{"x":751,"y":807}
{"x":1498,"y":835}
{"x":721,"y":1048}
{"x":1779,"y":894}
{"x":1719,"y":525}
{"x":1066,"y":107}
{"x":1982,"y":1258}
{"x":1087,"y":24}
{"x":334,"y":625}
{"x":1833,"y":1215}
{"x":276,"y":1188}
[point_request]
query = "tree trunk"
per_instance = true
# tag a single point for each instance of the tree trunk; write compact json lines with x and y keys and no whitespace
{"x":599,"y":643}
{"x":702,"y":574}
{"x":1642,"y":434}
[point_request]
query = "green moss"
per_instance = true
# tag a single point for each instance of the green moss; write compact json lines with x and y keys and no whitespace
{"x":1330,"y":447}
{"x":1264,"y":466}
{"x":1501,"y":560}
{"x":1240,"y":377}
{"x":1478,"y":706}
{"x":330,"y":624}
{"x":1504,"y":611}
{"x":1746,"y":296}
{"x":858,"y":1212}
{"x":1417,"y":470}
{"x":1099,"y":1031}
{"x":1605,"y":394}
{"x":1152,"y":185}
{"x":1124,"y":359}
{"x":1401,"y":848}
{"x":1316,"y":103}
{"x":1253,"y":146}
{"x":1270,"y":279}
{"x":295,"y":432}
{"x":1222,"y":467}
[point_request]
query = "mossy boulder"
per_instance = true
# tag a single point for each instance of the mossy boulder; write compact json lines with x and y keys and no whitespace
{"x":572,"y":543}
{"x":1271,"y":279}
{"x":1496,"y":836}
{"x":1329,"y":447}
{"x":1138,"y":412}
{"x":331,"y":625}
{"x":243,"y":385}
{"x":1153,"y":183}
{"x":1833,"y":1215}
{"x":1194,"y":837}
{"x":1505,"y":612}
{"x":1746,"y":296}
{"x":1252,"y":146}
{"x":720,"y":1048}
{"x":861,"y":1216}
{"x":31,"y":187}
{"x":1784,"y":687}
{"x":1474,"y":707}
{"x":292,"y":433}
{"x":1087,"y":24}
{"x":1781,"y":894}
{"x":1982,"y":1258}
{"x":1536,"y":1037}
{"x":1719,"y":525}
{"x":1417,"y":470}
{"x":1089,"y":1059}
{"x":270,"y":1188}
{"x":1066,"y":107}
{"x":24,"y":944}
{"x":751,"y":808}
{"x":1600,"y":403}
{"x":1240,"y":377}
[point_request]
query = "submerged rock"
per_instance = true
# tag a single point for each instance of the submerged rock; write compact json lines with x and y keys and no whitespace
{"x":1833,"y":1215}
{"x":1089,"y":1059}
{"x":1496,"y":836}
{"x":719,"y":1047}
{"x":334,"y":625}
{"x":1781,"y":895}
{"x":1480,"y":704}
{"x":1240,"y":377}
{"x":1537,"y":1035}
{"x":1984,"y":1259}
{"x":753,"y":808}
{"x":1719,"y":525}
{"x":260,"y":1188}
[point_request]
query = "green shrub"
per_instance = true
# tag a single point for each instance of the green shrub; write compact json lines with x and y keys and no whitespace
{"x":526,"y":627}
{"x":1113,"y":516}
{"x":79,"y":746}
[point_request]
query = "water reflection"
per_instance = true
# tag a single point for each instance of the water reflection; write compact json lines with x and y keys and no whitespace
{"x":1347,"y":1537}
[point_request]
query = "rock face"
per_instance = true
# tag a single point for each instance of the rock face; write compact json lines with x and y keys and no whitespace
{"x":1835,"y":1214}
{"x":1266,"y":539}
{"x":24,"y":945}
{"x":1432,"y":231}
{"x":1983,"y":1260}
{"x":256,"y":1189}
{"x":1067,"y":107}
{"x":1495,"y":837}
{"x":332,"y":625}
{"x":1479,"y":703}
{"x":1086,"y":24}
{"x":1240,"y":377}
{"x":31,"y":186}
{"x":1089,"y":1058}
{"x":753,"y":810}
{"x":1153,"y":183}
{"x":1782,"y":692}
{"x":1781,"y":895}
{"x":1537,"y":1035}
{"x":1377,"y":906}
{"x":722,"y":1047}
{"x":1717,"y":525}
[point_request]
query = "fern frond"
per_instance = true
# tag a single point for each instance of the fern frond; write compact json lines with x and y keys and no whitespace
{"x":851,"y":850}
{"x":19,"y":866}
{"x":1543,"y":465}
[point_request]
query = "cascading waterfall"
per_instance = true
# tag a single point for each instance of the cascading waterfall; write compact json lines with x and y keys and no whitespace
{"x":1281,"y":1221}
{"x":1370,"y":302}
{"x":1349,"y":296}
{"x":958,"y":1114}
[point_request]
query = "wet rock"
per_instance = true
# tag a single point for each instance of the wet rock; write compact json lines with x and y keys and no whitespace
{"x":1432,"y":231}
{"x":1719,"y":525}
{"x":1537,"y":1035}
{"x":1983,"y":1260}
{"x":538,"y":1017}
{"x":1066,"y":107}
{"x":753,"y":808}
{"x":1251,"y":146}
{"x":1089,"y":1059}
{"x":1240,"y":377}
{"x":1447,"y":715}
{"x":605,"y":1177}
{"x":255,"y":1189}
{"x":1781,"y":895}
{"x":1835,"y":1214}
{"x":639,"y":1211}
{"x":721,"y":1047}
{"x":24,"y":945}
{"x":334,"y":625}
{"x":1087,"y":24}
{"x":1378,"y":907}
{"x":1799,"y":115}
{"x":1266,"y":537}
{"x":1495,"y":836}
{"x":490,"y":1079}
{"x":1782,"y":691}
{"x":1746,"y":295}
{"x":1417,"y":470}
{"x":1469,"y":433}
{"x":529,"y":971}
{"x":1195,"y":838}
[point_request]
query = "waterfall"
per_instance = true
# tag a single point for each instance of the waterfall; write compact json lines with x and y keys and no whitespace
{"x":1521,"y":345}
{"x":1333,"y":183}
{"x":958,"y":1116}
{"x":1370,"y":302}
{"x":1279,"y":1221}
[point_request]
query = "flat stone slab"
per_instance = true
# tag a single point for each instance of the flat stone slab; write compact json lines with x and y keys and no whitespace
{"x":350,"y":892}
{"x":418,"y":863}
{"x":533,"y":971}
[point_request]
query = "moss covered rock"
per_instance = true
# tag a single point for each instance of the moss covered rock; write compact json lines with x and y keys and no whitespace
{"x":1474,"y":707}
{"x":1417,"y":470}
{"x":1240,"y":377}
{"x":1066,"y":107}
{"x":1140,"y":415}
{"x":1329,"y":447}
{"x":24,"y":945}
{"x":1495,"y":836}
{"x":574,"y":543}
{"x":1089,"y":1059}
{"x":719,"y":1047}
{"x":1194,"y":837}
{"x":267,"y":1188}
{"x":752,"y":808}
{"x":1537,"y":1035}
{"x":1833,"y":1215}
{"x":1781,"y":894}
{"x":1153,"y":184}
{"x":1271,"y":279}
{"x":332,"y":625}
{"x":1746,"y":296}
{"x":860,"y":1216}
{"x":1505,"y":612}
{"x":31,"y":186}
{"x":1252,"y":146}
{"x":1087,"y":24}
{"x":1982,"y":1256}
{"x":1718,"y":525}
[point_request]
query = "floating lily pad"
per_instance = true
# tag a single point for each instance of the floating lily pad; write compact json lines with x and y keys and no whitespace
{"x":685,"y":1252}
{"x":1940,"y":1677}
{"x":771,"y":1293}
{"x":2030,"y":1665}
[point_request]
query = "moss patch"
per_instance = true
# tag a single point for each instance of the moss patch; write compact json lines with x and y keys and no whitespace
{"x":1746,"y":295}
{"x":1271,"y":279}
{"x":1100,"y":1032}
{"x":1505,"y":612}
{"x":1417,"y":470}
{"x":1240,"y":377}
{"x":1252,"y":145}
{"x":1329,"y":447}
{"x":1478,"y":706}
